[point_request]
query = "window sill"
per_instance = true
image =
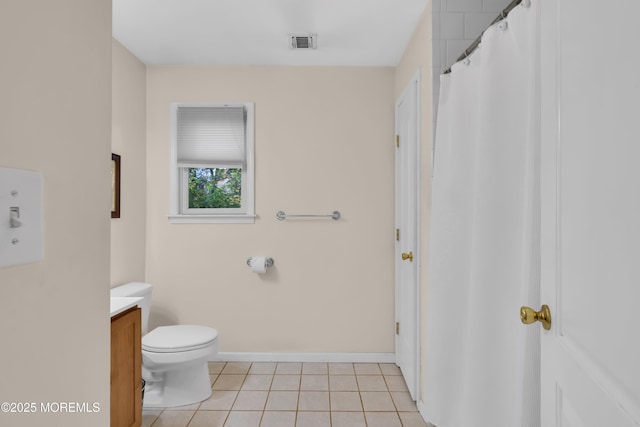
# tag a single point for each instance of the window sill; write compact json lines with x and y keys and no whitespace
{"x":212,"y":219}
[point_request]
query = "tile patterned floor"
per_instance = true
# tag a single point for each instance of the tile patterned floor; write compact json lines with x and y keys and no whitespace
{"x":297,"y":395}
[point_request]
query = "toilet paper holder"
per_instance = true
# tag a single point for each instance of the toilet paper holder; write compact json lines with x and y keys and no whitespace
{"x":268,"y":262}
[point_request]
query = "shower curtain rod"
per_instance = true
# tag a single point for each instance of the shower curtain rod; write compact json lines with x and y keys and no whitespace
{"x":476,"y":42}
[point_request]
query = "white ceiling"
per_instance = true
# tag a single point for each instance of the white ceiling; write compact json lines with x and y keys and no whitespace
{"x":254,"y":32}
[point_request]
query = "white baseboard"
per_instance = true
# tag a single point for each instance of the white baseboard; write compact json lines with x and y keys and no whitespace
{"x":422,"y":411}
{"x":306,"y":357}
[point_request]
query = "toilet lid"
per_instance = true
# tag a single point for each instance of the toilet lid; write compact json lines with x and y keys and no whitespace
{"x":173,"y":339}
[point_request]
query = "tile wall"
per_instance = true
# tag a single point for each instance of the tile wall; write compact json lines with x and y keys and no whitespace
{"x":456,"y":24}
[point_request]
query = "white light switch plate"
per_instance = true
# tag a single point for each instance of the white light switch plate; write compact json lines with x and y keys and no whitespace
{"x":20,"y":191}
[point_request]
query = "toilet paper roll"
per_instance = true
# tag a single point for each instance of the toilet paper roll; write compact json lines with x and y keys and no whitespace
{"x":259,"y":264}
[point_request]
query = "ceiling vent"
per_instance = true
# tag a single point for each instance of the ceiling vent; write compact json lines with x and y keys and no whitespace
{"x":303,"y":41}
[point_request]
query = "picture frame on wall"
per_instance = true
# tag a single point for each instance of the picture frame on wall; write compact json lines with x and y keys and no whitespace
{"x":115,"y":186}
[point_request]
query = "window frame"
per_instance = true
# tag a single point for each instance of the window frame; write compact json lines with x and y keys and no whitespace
{"x":180,"y":213}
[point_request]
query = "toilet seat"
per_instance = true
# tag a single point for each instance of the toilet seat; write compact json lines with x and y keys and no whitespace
{"x":178,"y":338}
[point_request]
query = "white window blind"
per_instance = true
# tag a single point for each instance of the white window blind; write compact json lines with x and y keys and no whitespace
{"x":211,"y":137}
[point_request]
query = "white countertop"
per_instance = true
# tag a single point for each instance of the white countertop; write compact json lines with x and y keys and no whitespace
{"x":120,"y":304}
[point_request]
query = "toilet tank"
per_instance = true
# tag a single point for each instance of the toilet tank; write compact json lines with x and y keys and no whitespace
{"x":137,"y":289}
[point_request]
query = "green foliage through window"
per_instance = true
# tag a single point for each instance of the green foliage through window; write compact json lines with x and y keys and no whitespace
{"x":215,"y":188}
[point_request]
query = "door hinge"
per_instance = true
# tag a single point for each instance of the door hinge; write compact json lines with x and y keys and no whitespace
{"x":397,"y":328}
{"x":397,"y":234}
{"x":397,"y":140}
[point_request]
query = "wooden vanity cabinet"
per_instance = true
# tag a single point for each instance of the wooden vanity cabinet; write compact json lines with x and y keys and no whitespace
{"x":126,"y":369}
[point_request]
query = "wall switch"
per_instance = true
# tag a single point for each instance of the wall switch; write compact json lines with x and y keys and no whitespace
{"x":14,"y":217}
{"x":20,"y":217}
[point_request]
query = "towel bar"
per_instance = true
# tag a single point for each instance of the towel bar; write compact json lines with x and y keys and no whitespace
{"x":281,"y":216}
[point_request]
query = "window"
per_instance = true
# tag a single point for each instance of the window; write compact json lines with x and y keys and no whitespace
{"x":212,"y":163}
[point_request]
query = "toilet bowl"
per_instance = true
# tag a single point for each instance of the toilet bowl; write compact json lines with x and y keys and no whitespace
{"x":174,"y":358}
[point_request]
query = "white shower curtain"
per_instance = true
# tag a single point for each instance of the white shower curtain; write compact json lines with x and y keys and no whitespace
{"x":481,"y":363}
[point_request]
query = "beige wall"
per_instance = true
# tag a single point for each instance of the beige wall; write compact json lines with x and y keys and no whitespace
{"x":324,"y":142}
{"x":55,"y":81}
{"x":418,"y":56}
{"x":128,"y":139}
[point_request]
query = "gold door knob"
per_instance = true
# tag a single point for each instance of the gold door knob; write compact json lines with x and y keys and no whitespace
{"x":408,"y":256}
{"x":529,"y":315}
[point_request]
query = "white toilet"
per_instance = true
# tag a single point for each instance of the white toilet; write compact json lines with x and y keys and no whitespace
{"x":174,"y":358}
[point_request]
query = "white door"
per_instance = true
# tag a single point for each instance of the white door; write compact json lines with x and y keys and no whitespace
{"x":407,"y":193}
{"x":590,"y":164}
